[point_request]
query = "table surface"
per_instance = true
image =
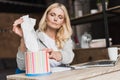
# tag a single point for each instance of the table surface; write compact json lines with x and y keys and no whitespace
{"x":110,"y":76}
{"x":92,"y":73}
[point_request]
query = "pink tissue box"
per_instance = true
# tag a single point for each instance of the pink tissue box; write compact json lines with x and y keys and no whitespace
{"x":37,"y":63}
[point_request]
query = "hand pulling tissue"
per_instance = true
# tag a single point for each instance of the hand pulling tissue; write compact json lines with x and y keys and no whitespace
{"x":36,"y":60}
{"x":29,"y":33}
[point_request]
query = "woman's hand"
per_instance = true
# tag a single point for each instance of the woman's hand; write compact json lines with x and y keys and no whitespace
{"x":16,"y":27}
{"x":54,"y":54}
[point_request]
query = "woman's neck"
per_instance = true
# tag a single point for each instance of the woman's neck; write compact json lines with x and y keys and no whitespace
{"x":51,"y":33}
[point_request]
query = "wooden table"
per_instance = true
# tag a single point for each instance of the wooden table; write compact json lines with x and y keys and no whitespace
{"x":93,"y":73}
{"x":110,"y":76}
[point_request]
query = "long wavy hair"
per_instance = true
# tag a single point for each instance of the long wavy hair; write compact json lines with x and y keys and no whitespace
{"x":64,"y":32}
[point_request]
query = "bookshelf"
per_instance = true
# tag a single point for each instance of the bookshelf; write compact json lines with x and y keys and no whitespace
{"x":102,"y":15}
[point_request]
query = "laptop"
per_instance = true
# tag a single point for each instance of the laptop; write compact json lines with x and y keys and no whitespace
{"x":102,"y":63}
{"x":97,"y":63}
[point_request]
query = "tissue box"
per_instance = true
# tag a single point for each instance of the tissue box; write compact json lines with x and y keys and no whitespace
{"x":37,"y":63}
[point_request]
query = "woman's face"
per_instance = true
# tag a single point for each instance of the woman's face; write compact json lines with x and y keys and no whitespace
{"x":55,"y":18}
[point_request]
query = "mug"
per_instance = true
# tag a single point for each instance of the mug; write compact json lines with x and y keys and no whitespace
{"x":93,"y":11}
{"x":113,"y":53}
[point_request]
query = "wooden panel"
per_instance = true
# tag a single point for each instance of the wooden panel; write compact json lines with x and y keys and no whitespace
{"x":91,"y":54}
{"x":9,"y":42}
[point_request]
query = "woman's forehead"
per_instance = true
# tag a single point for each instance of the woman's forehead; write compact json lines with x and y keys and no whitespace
{"x":57,"y":10}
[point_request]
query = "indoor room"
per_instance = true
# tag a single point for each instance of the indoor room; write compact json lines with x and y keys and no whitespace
{"x":84,"y":42}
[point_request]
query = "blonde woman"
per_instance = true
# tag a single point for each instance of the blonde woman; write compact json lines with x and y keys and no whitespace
{"x":54,"y":33}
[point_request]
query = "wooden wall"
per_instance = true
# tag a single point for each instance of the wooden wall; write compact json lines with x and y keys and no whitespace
{"x":9,"y":42}
{"x":89,"y":54}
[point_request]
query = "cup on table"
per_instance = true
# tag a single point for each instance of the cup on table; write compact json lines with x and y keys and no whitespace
{"x":113,"y":53}
{"x":93,"y":11}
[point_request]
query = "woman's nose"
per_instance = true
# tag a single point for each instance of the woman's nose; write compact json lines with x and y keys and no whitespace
{"x":55,"y":18}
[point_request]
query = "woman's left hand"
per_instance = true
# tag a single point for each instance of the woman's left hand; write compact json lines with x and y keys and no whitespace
{"x":54,"y":54}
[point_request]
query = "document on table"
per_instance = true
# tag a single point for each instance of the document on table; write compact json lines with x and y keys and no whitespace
{"x":59,"y":69}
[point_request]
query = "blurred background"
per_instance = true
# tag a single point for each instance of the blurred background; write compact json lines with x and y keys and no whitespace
{"x":10,"y":10}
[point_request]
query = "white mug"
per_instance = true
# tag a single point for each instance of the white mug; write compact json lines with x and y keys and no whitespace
{"x":113,"y":53}
{"x":93,"y":11}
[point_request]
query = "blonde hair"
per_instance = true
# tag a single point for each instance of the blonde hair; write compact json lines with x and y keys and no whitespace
{"x":65,"y":32}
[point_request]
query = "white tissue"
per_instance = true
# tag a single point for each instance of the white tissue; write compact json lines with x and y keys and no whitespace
{"x":29,"y":33}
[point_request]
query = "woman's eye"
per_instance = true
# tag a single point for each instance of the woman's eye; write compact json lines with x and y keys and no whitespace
{"x":60,"y":17}
{"x":52,"y":14}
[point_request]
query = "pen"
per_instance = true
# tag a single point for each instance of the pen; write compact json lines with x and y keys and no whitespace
{"x":43,"y":43}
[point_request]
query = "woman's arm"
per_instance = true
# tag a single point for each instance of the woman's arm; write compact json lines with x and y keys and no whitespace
{"x":20,"y":55}
{"x":20,"y":60}
{"x":67,"y":52}
{"x":65,"y":56}
{"x":22,"y":45}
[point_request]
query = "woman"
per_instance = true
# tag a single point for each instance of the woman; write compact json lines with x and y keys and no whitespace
{"x":55,"y":32}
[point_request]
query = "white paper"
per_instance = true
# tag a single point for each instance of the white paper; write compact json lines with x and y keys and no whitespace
{"x":59,"y":69}
{"x":29,"y":33}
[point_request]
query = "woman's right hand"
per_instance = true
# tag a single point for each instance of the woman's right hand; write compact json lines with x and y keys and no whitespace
{"x":17,"y":28}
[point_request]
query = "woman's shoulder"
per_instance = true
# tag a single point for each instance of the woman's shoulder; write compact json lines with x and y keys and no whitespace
{"x":69,"y":40}
{"x":39,"y":34}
